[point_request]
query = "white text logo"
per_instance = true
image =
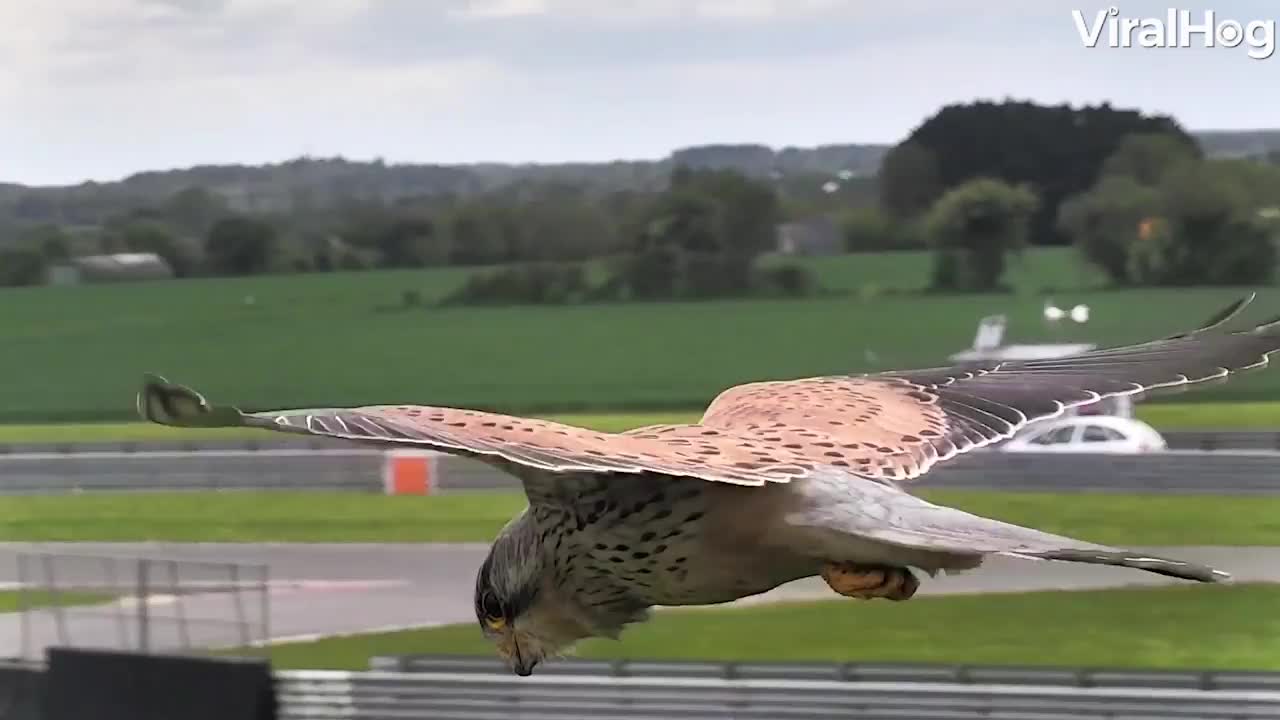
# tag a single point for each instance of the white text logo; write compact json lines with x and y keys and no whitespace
{"x":1177,"y":29}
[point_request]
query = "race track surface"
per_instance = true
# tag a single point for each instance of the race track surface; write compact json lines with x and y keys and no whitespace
{"x":328,"y":589}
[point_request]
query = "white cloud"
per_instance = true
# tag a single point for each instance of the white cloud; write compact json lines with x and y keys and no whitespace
{"x":766,"y":9}
{"x":648,"y":10}
{"x":108,"y":87}
{"x":500,"y":8}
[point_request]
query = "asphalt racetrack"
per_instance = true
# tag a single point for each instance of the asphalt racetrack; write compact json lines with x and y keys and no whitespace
{"x":330,"y":589}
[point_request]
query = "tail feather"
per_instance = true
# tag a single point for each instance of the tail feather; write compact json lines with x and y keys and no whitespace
{"x":1158,"y":565}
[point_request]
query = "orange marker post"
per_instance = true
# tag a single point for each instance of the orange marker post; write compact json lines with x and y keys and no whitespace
{"x":408,"y":472}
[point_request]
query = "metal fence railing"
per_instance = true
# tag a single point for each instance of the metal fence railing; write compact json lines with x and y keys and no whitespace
{"x":852,"y":672}
{"x":779,"y":691}
{"x":465,"y":696}
{"x":137,"y":604}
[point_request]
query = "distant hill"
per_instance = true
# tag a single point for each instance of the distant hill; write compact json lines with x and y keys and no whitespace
{"x":314,"y":183}
{"x":307,"y":183}
{"x":1239,"y":143}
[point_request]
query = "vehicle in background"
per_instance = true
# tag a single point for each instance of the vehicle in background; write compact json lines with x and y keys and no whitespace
{"x":1088,"y":434}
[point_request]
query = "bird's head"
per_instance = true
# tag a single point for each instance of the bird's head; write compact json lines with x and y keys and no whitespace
{"x":519,"y":607}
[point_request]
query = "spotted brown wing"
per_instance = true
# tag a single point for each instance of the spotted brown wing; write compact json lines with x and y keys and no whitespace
{"x":681,"y":451}
{"x":897,"y":425}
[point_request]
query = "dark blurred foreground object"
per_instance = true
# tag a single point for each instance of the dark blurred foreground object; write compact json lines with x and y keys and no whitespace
{"x":106,"y":685}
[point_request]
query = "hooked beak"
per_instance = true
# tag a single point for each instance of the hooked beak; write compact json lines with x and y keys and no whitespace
{"x":520,"y":664}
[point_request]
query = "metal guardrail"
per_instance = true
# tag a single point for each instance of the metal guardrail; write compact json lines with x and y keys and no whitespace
{"x":361,"y":470}
{"x":675,"y":691}
{"x":45,"y":473}
{"x":1080,"y":677}
{"x":1222,"y":439}
{"x":469,"y":696}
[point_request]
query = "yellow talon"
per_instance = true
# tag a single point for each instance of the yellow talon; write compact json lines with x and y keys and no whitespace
{"x":864,"y":582}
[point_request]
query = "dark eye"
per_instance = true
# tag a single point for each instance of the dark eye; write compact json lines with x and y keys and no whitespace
{"x":490,"y":606}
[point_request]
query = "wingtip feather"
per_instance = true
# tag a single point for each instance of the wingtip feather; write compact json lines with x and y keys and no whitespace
{"x":166,"y":403}
{"x":1221,"y":317}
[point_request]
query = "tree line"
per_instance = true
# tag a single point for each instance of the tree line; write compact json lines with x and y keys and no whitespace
{"x":974,"y":184}
{"x":699,"y":236}
{"x":1134,"y":194}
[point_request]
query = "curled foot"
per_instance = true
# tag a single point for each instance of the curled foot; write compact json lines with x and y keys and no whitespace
{"x":870,"y":581}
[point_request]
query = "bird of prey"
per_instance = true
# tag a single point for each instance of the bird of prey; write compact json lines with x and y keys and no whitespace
{"x":777,"y":481}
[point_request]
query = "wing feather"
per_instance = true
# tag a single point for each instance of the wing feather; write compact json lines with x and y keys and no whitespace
{"x":885,"y":514}
{"x":953,"y":410}
{"x":677,"y":451}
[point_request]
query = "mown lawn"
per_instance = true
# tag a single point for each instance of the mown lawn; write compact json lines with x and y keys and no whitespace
{"x":1188,"y":626}
{"x":77,"y":353}
{"x":348,"y":517}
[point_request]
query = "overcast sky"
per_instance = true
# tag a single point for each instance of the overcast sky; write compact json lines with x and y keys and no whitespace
{"x":98,"y":89}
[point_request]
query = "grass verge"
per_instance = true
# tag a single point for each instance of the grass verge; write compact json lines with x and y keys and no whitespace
{"x":13,"y":601}
{"x":347,"y":517}
{"x":1227,"y":627}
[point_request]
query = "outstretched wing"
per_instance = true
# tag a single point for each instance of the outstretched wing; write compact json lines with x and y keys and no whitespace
{"x":681,"y":451}
{"x":914,"y":419}
{"x":888,"y":426}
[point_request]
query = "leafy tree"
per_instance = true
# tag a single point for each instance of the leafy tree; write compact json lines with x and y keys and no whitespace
{"x":403,"y":237}
{"x":972,"y":227}
{"x":870,"y":229}
{"x":194,"y":210}
{"x":1058,"y":151}
{"x":1104,"y":222}
{"x":564,"y":230}
{"x":240,"y":245}
{"x":909,"y":180}
{"x":701,"y":239}
{"x":1210,"y":232}
{"x":477,"y":234}
{"x":50,"y":240}
{"x":411,"y":242}
{"x":21,"y":266}
{"x":747,"y":211}
{"x":790,"y":280}
{"x":1146,"y":157}
{"x":532,"y":283}
{"x":149,"y":236}
{"x":650,"y":274}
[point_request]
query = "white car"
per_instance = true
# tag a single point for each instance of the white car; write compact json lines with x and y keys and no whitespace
{"x":1088,"y":434}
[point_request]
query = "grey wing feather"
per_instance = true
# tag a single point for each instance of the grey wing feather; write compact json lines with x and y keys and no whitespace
{"x":888,"y":515}
{"x":988,"y":402}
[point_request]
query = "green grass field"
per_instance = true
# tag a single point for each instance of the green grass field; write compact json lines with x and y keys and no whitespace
{"x":77,"y":353}
{"x":1226,"y":627}
{"x":13,"y":601}
{"x":346,"y":517}
{"x":1037,"y":270}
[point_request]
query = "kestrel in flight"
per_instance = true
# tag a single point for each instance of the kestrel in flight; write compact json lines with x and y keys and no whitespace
{"x":777,"y":481}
